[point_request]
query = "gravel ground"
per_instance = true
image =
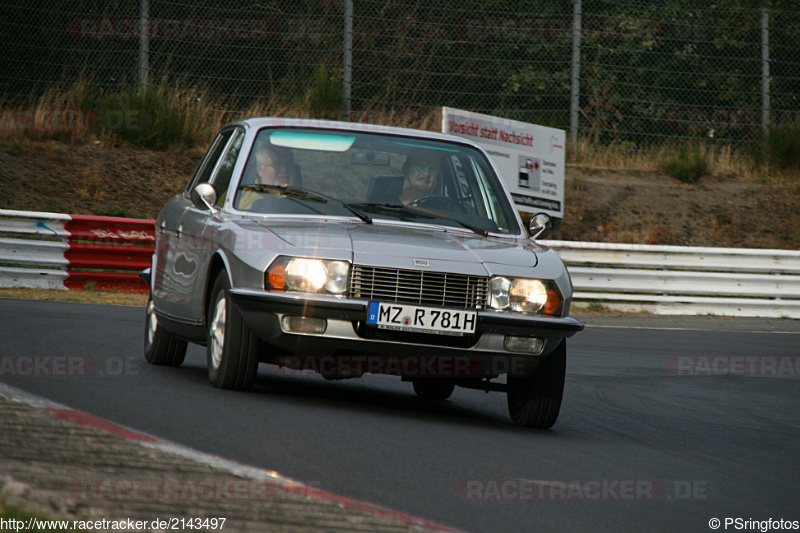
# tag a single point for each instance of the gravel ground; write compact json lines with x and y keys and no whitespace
{"x":63,"y":470}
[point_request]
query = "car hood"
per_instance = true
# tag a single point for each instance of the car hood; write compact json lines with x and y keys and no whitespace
{"x":405,"y":246}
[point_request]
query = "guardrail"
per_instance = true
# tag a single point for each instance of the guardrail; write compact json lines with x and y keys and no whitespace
{"x":56,"y":251}
{"x":682,"y":280}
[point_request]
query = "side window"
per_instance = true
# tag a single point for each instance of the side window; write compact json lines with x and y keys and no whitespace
{"x":224,"y":173}
{"x":210,"y":162}
{"x":492,"y":192}
{"x":463,"y":187}
{"x":488,"y":194}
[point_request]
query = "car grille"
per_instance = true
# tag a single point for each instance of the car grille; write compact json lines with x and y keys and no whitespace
{"x":419,"y":287}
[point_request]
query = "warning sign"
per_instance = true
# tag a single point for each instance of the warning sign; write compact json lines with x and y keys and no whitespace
{"x":530,"y":158}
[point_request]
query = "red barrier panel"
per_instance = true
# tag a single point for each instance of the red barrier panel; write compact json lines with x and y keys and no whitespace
{"x":111,"y":229}
{"x":107,"y":257}
{"x":107,"y":253}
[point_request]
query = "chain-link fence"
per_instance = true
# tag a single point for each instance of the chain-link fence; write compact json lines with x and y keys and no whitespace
{"x":608,"y":70}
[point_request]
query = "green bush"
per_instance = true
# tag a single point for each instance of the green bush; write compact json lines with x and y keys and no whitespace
{"x":325,"y":99}
{"x":780,"y":149}
{"x":687,"y":165}
{"x":157,"y":116}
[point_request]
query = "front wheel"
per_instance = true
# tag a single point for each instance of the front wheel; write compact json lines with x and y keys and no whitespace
{"x":534,"y":401}
{"x":160,"y":346}
{"x":232,"y":349}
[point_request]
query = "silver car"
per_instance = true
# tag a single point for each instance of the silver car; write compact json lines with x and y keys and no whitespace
{"x":346,"y":249}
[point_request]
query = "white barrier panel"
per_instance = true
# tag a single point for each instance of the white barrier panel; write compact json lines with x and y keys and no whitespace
{"x":33,"y":224}
{"x":33,"y":252}
{"x":682,"y":280}
{"x":597,"y":254}
{"x":31,"y":278}
{"x":687,"y":305}
{"x":741,"y":285}
{"x":34,"y":257}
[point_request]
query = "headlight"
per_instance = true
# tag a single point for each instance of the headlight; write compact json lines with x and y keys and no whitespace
{"x":499,"y":292}
{"x":299,"y":274}
{"x":530,"y":296}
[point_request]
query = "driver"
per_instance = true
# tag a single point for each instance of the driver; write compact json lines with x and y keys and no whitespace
{"x":274,"y":166}
{"x":421,"y":173}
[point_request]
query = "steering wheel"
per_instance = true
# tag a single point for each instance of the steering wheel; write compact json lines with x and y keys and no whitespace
{"x":434,"y":201}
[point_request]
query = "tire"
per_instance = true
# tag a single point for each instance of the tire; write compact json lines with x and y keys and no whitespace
{"x":437,"y":389}
{"x":534,"y":401}
{"x":160,"y":346}
{"x":232,"y":349}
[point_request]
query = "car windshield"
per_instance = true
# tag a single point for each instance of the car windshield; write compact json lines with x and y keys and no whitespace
{"x":374,"y":176}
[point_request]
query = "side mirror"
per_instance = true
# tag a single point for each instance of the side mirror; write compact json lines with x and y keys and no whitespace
{"x":204,"y":196}
{"x":540,"y":225}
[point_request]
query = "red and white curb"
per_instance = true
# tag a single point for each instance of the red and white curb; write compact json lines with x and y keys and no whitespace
{"x":237,"y":469}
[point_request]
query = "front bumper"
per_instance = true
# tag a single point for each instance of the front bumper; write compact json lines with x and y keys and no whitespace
{"x":347,"y":335}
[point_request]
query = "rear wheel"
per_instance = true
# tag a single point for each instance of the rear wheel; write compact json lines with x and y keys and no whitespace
{"x":160,"y":346}
{"x":434,"y":388}
{"x":534,"y":401}
{"x":232,"y":349}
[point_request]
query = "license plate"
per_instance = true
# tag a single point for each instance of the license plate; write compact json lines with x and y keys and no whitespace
{"x":419,"y":319}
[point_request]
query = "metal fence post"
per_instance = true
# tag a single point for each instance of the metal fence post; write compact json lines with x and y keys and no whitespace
{"x":348,"y":57}
{"x":765,"y":66}
{"x":144,"y":42}
{"x":576,"y":71}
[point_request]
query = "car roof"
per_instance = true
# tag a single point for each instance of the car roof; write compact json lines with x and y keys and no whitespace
{"x":264,"y":122}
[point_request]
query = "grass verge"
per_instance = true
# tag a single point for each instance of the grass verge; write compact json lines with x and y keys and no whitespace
{"x":85,"y":296}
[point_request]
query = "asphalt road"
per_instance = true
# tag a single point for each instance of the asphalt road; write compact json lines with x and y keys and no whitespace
{"x":655,"y":434}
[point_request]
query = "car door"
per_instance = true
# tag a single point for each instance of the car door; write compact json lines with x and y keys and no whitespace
{"x":197,"y":228}
{"x":176,"y":260}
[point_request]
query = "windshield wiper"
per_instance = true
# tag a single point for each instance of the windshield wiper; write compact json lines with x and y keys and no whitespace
{"x":430,"y":214}
{"x":298,"y":192}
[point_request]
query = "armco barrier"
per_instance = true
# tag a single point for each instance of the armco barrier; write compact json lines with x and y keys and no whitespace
{"x":682,"y":280}
{"x":50,"y":250}
{"x":56,"y":251}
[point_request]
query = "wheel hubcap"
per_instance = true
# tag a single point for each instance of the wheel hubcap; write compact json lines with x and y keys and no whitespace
{"x":216,"y":331}
{"x":152,"y":323}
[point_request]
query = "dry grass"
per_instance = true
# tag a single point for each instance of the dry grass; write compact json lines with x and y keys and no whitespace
{"x":167,"y":113}
{"x":95,"y":297}
{"x":723,"y":161}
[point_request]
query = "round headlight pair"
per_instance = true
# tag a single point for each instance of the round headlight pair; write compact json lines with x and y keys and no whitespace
{"x":524,"y":296}
{"x":307,"y":275}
